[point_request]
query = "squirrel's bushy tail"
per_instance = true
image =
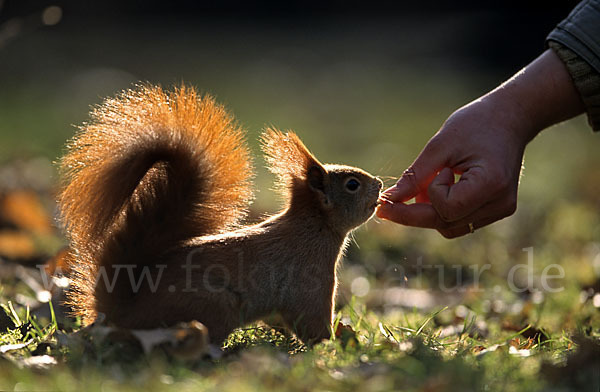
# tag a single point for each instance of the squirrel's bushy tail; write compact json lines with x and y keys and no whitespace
{"x":151,"y":169}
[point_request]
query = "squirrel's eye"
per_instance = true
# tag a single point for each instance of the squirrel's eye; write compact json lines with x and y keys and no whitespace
{"x":352,"y":184}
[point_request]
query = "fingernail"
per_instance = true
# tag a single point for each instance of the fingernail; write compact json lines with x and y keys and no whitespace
{"x":389,"y":190}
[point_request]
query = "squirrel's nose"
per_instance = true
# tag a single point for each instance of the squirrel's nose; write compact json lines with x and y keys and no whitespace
{"x":379,"y":183}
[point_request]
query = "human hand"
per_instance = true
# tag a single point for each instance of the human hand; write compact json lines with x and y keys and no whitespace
{"x":478,"y":143}
{"x":483,"y":142}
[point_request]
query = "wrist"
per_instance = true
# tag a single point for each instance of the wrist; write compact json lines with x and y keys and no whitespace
{"x":512,"y":114}
{"x":540,"y":95}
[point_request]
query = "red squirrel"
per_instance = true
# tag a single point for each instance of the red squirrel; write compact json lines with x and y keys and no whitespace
{"x":154,"y":190}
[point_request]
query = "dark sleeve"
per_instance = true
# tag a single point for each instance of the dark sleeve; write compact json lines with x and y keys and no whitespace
{"x":576,"y":40}
{"x":580,"y":32}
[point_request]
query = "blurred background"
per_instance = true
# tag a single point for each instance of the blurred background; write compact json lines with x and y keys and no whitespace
{"x":362,"y":83}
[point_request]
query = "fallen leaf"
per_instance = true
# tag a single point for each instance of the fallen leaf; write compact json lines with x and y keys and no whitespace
{"x":529,"y":332}
{"x":16,"y":245}
{"x":24,"y":210}
{"x":191,"y":341}
{"x":11,"y":347}
{"x":39,"y":362}
{"x":477,"y":349}
{"x":519,"y":352}
{"x":515,"y":342}
{"x":527,"y":344}
{"x":490,"y":349}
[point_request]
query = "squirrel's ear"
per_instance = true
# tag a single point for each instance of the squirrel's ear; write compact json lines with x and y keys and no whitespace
{"x":316,"y":177}
{"x":289,"y":159}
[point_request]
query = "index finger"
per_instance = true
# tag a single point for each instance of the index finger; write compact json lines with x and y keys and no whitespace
{"x":417,"y":177}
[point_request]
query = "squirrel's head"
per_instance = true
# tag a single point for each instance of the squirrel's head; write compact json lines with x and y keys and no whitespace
{"x":345,"y":196}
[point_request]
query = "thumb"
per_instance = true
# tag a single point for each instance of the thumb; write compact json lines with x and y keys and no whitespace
{"x":416,"y":178}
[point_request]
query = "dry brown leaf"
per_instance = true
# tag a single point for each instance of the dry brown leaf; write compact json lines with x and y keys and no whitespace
{"x":532,"y":333}
{"x":16,"y":245}
{"x":527,"y":344}
{"x":477,"y":349}
{"x":24,"y":210}
{"x":191,"y":341}
{"x":515,"y":342}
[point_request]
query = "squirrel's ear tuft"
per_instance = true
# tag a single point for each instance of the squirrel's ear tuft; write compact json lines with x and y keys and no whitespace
{"x":289,"y":159}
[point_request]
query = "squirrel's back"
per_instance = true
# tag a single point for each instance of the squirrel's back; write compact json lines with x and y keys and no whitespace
{"x":149,"y":171}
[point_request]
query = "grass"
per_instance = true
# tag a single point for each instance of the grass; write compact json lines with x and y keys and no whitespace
{"x":406,"y":352}
{"x":422,"y":313}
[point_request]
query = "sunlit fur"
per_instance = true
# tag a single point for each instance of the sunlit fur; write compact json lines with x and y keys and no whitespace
{"x":161,"y":180}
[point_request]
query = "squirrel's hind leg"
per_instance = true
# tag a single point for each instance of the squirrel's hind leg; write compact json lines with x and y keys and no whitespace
{"x":311,"y":325}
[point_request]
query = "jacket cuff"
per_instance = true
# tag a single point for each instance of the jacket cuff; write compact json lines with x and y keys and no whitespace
{"x":580,"y":32}
{"x":585,"y":78}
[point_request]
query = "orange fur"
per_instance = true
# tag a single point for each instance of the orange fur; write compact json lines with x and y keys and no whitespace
{"x":120,"y":166}
{"x":159,"y":181}
{"x":287,"y":157}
